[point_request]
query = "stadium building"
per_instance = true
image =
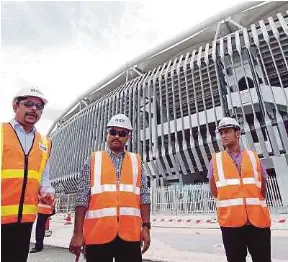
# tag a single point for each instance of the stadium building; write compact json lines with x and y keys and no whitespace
{"x":234,"y":64}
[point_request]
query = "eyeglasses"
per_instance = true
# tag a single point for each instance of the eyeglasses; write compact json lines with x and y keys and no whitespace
{"x":30,"y":104}
{"x":114,"y":132}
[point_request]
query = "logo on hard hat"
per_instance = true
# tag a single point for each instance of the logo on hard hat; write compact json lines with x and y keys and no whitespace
{"x":119,"y":120}
{"x":36,"y":91}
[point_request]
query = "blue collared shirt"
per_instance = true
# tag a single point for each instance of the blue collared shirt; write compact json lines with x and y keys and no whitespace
{"x":26,"y":140}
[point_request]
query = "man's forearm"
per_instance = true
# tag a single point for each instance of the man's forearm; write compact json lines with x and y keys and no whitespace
{"x":45,"y":183}
{"x":213,"y":187}
{"x":145,"y":213}
{"x":79,"y":219}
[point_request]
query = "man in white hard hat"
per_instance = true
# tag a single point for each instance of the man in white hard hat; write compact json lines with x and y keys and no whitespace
{"x":238,"y":182}
{"x":24,"y":169}
{"x":113,"y":203}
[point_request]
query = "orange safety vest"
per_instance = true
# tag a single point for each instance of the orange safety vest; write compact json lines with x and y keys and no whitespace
{"x":20,"y":175}
{"x":114,"y":207}
{"x":239,"y":199}
{"x":45,"y":209}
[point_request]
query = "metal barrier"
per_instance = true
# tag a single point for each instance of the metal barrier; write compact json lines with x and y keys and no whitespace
{"x":65,"y":203}
{"x":185,"y":200}
{"x":275,"y":201}
{"x":197,"y":199}
{"x":177,"y":200}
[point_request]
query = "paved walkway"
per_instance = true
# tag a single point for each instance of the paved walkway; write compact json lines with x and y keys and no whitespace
{"x":159,"y":250}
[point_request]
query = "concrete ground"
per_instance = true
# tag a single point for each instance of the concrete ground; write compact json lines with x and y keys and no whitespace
{"x":209,"y":241}
{"x":168,"y":244}
{"x":56,"y":254}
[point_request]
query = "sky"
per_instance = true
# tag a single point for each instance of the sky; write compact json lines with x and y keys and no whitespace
{"x":66,"y":48}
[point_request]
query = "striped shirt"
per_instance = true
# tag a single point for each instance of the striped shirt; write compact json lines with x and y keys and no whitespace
{"x":83,"y":192}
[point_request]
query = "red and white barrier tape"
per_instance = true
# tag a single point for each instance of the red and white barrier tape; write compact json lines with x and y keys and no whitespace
{"x":201,"y":221}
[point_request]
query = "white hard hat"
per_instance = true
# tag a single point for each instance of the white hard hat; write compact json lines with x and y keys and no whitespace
{"x":120,"y":120}
{"x":31,"y":91}
{"x":227,"y":122}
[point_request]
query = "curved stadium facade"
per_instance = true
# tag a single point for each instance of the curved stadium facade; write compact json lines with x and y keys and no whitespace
{"x":234,"y":65}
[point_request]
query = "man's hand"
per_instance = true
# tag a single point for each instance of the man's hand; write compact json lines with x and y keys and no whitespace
{"x":47,"y":198}
{"x":76,"y":244}
{"x":145,"y":239}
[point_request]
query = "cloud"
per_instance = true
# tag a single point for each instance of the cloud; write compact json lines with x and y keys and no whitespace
{"x":66,"y":48}
{"x":39,"y":25}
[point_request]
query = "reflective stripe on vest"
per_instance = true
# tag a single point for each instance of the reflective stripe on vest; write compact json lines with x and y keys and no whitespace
{"x":240,"y":201}
{"x":255,"y":202}
{"x":130,"y":211}
{"x":112,"y":211}
{"x":254,"y":165}
{"x":112,"y":188}
{"x":13,"y":209}
{"x":230,"y":202}
{"x":104,"y":212}
{"x":16,"y":173}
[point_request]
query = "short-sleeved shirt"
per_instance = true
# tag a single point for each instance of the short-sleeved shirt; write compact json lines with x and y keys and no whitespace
{"x":237,"y":158}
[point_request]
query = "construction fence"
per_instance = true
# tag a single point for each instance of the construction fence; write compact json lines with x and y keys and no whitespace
{"x":186,"y":200}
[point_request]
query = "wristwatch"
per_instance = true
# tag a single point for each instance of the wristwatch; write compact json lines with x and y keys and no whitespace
{"x":147,"y":224}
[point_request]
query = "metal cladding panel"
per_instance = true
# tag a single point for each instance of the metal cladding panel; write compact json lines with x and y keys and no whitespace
{"x":175,"y":108}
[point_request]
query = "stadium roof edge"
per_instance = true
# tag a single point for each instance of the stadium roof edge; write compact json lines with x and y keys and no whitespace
{"x":244,"y":14}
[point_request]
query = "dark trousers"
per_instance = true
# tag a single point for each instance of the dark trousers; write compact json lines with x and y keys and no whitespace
{"x":237,"y":240}
{"x":119,"y":249}
{"x":40,"y":230}
{"x":15,"y":242}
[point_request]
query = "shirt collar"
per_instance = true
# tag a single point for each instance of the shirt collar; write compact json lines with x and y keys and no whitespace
{"x":15,"y":124}
{"x":233,"y":154}
{"x":113,"y":154}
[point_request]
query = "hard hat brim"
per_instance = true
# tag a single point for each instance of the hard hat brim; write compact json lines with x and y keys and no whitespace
{"x":45,"y":101}
{"x":228,"y":126}
{"x":118,"y":126}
